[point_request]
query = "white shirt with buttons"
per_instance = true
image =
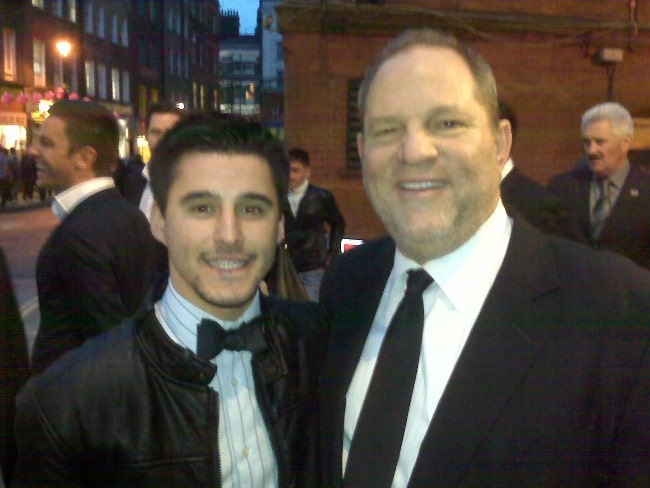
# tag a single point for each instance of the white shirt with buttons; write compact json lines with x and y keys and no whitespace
{"x":247,"y":458}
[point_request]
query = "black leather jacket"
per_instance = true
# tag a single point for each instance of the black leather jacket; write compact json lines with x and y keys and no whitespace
{"x":305,"y":233}
{"x":132,"y":408}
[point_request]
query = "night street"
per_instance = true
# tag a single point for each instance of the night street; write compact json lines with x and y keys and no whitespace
{"x":22,"y":233}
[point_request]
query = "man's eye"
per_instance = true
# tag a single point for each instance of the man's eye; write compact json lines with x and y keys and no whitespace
{"x":252,"y":210}
{"x":202,"y":209}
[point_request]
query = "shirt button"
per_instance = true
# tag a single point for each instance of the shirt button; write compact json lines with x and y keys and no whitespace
{"x":234,"y":382}
{"x":245,"y":451}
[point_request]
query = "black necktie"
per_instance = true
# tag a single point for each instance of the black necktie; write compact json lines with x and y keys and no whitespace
{"x":378,"y":436}
{"x":211,"y":338}
{"x":601,"y":209}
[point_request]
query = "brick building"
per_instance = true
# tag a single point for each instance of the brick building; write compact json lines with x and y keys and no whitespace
{"x":549,"y":58}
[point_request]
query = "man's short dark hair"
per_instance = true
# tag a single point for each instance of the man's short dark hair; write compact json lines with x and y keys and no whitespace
{"x":90,"y":124}
{"x":164,"y":108}
{"x":216,"y":133}
{"x":298,"y":154}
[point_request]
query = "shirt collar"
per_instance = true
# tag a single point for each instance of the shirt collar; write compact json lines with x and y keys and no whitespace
{"x":180,"y":318}
{"x":619,"y":176}
{"x":507,"y":168}
{"x":67,"y":200}
{"x":480,"y":256}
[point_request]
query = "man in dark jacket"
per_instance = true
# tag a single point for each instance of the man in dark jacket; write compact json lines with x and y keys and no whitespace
{"x":172,"y":397}
{"x":97,"y":265}
{"x":314,"y":224}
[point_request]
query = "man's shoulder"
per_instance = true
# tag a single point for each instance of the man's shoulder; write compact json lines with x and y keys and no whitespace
{"x":99,"y":362}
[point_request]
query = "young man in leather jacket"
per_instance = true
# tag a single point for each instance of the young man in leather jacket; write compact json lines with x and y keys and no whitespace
{"x":211,"y":383}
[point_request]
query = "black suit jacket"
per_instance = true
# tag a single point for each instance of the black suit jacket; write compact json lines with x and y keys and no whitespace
{"x":14,"y":367}
{"x":627,"y":229}
{"x":534,"y":203}
{"x":93,"y":271}
{"x":552,"y":387}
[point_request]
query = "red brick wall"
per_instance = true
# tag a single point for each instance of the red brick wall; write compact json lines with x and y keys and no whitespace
{"x":550,"y":84}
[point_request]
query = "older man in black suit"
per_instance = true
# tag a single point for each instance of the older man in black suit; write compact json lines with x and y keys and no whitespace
{"x":608,"y":198}
{"x":97,"y":265}
{"x":469,"y":349}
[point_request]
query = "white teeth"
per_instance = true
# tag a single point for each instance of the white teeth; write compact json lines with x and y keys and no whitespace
{"x":226,"y":264}
{"x":420,"y":185}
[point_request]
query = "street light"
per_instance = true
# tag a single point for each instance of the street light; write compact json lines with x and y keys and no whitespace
{"x":64,"y":48}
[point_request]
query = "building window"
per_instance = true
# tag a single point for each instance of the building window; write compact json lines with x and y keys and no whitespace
{"x":9,"y":50}
{"x":353,"y":126}
{"x":39,"y":63}
{"x":89,"y":67}
{"x":72,"y":10}
{"x":58,"y":71}
{"x":38,"y":3}
{"x":114,"y":29}
{"x":101,"y":32}
{"x":124,"y":33}
{"x":88,"y":19}
{"x":115,"y":84}
{"x":126,"y":87}
{"x":101,"y":81}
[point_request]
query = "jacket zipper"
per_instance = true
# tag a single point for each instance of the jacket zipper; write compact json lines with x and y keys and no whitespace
{"x":214,"y":438}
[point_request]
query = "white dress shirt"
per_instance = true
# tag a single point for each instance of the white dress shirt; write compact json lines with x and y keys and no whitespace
{"x":247,"y":458}
{"x":463,"y":279}
{"x":67,"y":200}
{"x":295,"y":196}
{"x":146,"y":200}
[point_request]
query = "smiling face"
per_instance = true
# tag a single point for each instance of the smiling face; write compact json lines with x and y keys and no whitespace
{"x":429,"y":151}
{"x":55,"y":159}
{"x":605,"y":150}
{"x":221,"y":228}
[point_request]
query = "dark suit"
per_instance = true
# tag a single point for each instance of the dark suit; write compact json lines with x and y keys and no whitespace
{"x":93,"y":271}
{"x":14,"y":367}
{"x":534,"y":203}
{"x":627,"y":229}
{"x":552,"y":387}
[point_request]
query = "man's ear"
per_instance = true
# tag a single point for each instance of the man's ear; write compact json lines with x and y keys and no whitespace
{"x":281,"y":229}
{"x":85,"y":158}
{"x":503,"y":141}
{"x":158,"y":223}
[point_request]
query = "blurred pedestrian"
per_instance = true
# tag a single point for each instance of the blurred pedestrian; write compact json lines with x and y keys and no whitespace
{"x":28,"y":173}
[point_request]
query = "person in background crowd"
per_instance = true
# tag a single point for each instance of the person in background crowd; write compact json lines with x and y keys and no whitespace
{"x":212,"y":384}
{"x":96,"y":267}
{"x":608,"y":198}
{"x":468,"y":348}
{"x":525,"y":195}
{"x":14,"y":368}
{"x":28,"y":174}
{"x":5,"y":178}
{"x":161,"y":117}
{"x":314,"y":224}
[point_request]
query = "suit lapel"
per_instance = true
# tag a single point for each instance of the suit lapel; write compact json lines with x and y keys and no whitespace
{"x":501,"y":346}
{"x":365,"y":275}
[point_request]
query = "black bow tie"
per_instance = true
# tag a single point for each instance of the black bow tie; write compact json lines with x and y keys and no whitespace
{"x":211,"y":338}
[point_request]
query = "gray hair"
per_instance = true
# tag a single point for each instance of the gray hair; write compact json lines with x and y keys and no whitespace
{"x":616,"y":114}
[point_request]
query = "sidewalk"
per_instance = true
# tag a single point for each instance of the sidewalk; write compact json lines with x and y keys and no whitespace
{"x":20,"y":204}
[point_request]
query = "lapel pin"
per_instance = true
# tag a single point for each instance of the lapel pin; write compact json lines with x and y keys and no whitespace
{"x":634,"y":192}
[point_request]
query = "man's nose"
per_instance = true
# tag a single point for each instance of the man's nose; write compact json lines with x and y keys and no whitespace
{"x":418,"y":145}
